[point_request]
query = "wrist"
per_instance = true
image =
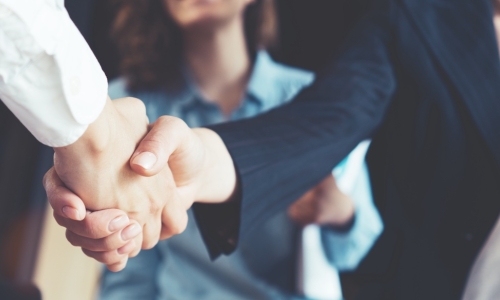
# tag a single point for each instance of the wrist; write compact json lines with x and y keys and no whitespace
{"x":96,"y":138}
{"x":217,"y":179}
{"x":88,"y":162}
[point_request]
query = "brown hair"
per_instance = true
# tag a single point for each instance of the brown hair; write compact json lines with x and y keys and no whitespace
{"x":149,"y":42}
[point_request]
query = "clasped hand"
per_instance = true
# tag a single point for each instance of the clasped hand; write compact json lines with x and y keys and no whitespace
{"x":105,"y":202}
{"x":125,"y":185}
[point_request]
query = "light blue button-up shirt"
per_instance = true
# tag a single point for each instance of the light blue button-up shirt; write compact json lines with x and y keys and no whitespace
{"x":263,"y":266}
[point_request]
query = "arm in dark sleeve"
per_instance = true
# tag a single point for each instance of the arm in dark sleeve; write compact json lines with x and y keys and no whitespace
{"x":281,"y":154}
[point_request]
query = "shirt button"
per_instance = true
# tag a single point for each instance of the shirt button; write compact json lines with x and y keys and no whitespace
{"x":74,"y":86}
{"x":468,"y":236}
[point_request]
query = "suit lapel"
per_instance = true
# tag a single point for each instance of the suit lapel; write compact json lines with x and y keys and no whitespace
{"x":461,"y":35}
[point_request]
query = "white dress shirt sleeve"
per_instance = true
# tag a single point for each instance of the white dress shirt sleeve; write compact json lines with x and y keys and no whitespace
{"x":49,"y":77}
{"x":346,"y":250}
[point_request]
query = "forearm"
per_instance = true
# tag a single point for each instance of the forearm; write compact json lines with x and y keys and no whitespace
{"x":282,"y":154}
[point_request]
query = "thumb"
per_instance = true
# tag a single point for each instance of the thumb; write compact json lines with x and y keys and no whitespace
{"x":64,"y":202}
{"x":163,"y":139}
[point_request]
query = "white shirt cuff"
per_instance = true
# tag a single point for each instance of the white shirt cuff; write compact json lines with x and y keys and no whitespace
{"x":49,"y":77}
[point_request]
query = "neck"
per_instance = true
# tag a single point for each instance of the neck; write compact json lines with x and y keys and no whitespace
{"x":220,"y":64}
{"x":496,"y":7}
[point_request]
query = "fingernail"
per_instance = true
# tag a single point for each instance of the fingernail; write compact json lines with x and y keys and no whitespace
{"x":131,"y":232}
{"x":118,"y":223}
{"x":145,"y":159}
{"x":71,"y":213}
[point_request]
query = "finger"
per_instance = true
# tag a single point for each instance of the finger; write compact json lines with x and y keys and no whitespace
{"x":300,"y":218}
{"x":96,"y":225}
{"x":300,"y":204}
{"x":114,"y":266}
{"x":138,"y":245}
{"x":107,"y":257}
{"x":174,"y":220}
{"x":117,"y":240}
{"x":294,"y":213}
{"x":118,"y":266}
{"x":154,"y":150}
{"x":151,"y":234}
{"x":127,"y":248}
{"x":302,"y":211}
{"x":64,"y":202}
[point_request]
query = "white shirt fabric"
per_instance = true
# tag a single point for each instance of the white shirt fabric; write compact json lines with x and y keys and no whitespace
{"x":49,"y":77}
{"x":483,"y":282}
{"x":484,"y":277}
{"x":317,"y":278}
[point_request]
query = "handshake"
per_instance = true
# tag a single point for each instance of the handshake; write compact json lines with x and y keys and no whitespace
{"x":124,"y":185}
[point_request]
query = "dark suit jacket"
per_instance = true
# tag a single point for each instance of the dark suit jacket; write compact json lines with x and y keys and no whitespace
{"x":422,"y":77}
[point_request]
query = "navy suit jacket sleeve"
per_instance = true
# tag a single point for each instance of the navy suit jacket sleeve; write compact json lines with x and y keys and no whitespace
{"x":281,"y":154}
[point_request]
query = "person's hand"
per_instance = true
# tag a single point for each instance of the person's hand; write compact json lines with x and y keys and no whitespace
{"x":108,"y":233}
{"x":96,"y":169}
{"x":202,"y":171}
{"x":324,"y":204}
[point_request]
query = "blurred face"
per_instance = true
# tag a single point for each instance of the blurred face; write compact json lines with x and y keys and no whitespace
{"x":196,"y":13}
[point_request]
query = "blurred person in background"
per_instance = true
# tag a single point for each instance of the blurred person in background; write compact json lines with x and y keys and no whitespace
{"x":427,"y":73}
{"x":204,"y":61}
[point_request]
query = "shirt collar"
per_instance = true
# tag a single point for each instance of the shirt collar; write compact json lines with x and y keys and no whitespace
{"x":262,"y":81}
{"x":263,"y":78}
{"x":189,"y":94}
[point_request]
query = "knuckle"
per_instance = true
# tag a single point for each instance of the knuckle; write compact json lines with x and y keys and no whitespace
{"x":149,"y":244}
{"x":174,"y":123}
{"x":134,"y":253}
{"x":138,"y":104}
{"x":164,"y":119}
{"x":178,"y":227}
{"x":155,"y":208}
{"x":172,"y":230}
